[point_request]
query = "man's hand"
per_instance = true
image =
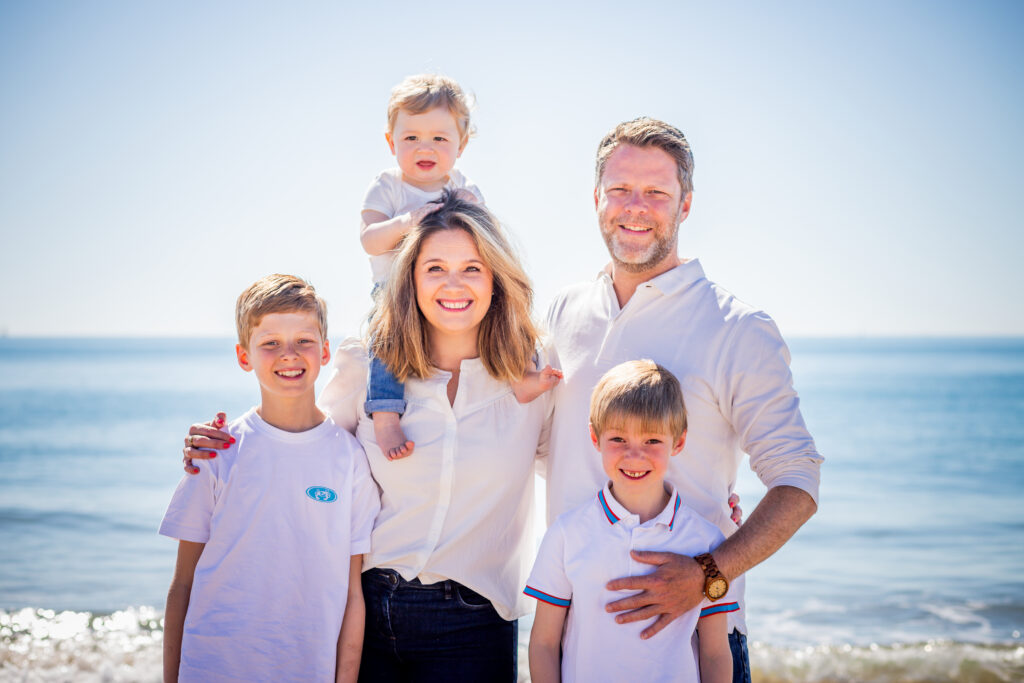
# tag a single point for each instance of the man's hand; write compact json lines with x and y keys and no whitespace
{"x":675,"y":587}
{"x":204,"y":440}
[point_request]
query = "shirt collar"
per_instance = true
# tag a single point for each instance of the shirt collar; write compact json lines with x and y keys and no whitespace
{"x":669,"y":282}
{"x":614,"y":511}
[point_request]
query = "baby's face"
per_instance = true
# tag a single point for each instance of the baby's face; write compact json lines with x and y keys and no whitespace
{"x":426,"y":146}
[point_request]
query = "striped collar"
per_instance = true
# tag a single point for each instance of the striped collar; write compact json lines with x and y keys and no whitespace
{"x":614,"y":511}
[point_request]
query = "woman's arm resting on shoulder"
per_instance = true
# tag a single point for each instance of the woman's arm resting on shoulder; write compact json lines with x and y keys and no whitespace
{"x":546,"y":643}
{"x":177,"y":605}
{"x":714,"y":654}
{"x":350,"y":640}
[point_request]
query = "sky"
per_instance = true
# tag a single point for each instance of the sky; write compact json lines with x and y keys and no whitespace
{"x":858,"y":165}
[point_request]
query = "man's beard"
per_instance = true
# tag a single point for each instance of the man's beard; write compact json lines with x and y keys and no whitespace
{"x":637,"y":260}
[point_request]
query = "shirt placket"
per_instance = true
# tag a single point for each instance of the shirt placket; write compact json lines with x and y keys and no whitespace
{"x":447,"y":473}
{"x":619,"y":317}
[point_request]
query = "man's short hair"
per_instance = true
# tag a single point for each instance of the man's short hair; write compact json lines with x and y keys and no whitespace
{"x":648,"y":132}
{"x":423,"y":92}
{"x":277,"y":294}
{"x":639,"y":390}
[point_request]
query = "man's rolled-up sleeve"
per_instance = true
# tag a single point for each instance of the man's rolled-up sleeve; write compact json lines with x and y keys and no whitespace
{"x":764,"y":409}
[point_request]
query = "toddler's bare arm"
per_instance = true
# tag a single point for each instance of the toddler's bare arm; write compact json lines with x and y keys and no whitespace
{"x":380,"y":234}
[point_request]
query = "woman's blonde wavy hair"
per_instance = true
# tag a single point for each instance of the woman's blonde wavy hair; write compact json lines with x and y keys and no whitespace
{"x":508,"y":337}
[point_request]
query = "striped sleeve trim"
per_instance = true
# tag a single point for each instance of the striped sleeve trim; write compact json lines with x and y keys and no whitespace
{"x":720,"y":609}
{"x":544,"y":597}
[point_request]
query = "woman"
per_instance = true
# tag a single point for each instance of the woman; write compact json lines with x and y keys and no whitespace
{"x":452,"y":545}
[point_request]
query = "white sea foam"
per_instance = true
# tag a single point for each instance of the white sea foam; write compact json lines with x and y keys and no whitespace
{"x":43,"y":646}
{"x":931,"y":662}
{"x":38,"y":646}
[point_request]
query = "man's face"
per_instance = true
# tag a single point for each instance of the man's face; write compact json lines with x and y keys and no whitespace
{"x":640,"y":205}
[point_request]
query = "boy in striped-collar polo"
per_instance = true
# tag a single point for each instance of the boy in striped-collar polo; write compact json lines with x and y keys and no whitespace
{"x":637,"y":422}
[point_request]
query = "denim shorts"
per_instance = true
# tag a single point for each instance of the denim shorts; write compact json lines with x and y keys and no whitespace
{"x":437,"y":632}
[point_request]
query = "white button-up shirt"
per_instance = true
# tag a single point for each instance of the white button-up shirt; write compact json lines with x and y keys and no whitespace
{"x":461,"y":506}
{"x":588,"y":547}
{"x":734,"y":370}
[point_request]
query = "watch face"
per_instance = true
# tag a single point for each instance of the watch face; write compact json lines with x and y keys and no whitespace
{"x":717,"y":588}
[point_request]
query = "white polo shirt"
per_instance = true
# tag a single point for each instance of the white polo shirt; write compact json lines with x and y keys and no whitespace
{"x":281,"y":514}
{"x":461,"y":506}
{"x":392,"y":196}
{"x":734,"y":370}
{"x":588,"y":547}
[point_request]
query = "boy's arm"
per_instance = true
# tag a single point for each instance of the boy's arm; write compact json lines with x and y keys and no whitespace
{"x":350,"y":640}
{"x":714,"y":655}
{"x":380,"y":234}
{"x":177,"y":605}
{"x":546,"y":643}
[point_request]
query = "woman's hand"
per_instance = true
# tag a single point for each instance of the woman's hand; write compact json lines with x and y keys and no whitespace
{"x":204,"y":440}
{"x":737,"y":511}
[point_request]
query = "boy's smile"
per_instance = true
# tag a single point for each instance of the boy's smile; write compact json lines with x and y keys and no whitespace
{"x":286,"y":352}
{"x":635,"y":461}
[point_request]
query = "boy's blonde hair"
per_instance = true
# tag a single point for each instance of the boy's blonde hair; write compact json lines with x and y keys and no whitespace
{"x":639,"y":390}
{"x":423,"y":92}
{"x":277,"y":294}
{"x":507,"y":338}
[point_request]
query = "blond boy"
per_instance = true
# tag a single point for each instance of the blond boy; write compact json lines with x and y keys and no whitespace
{"x":637,"y":423}
{"x":272,"y":530}
{"x":428,"y":128}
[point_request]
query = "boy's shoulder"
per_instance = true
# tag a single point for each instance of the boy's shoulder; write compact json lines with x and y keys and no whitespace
{"x":327,"y":434}
{"x":585,"y":514}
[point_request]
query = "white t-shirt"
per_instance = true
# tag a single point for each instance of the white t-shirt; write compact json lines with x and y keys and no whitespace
{"x":392,"y":196}
{"x":461,"y":506}
{"x":733,"y":367}
{"x":281,"y":514}
{"x":588,"y":547}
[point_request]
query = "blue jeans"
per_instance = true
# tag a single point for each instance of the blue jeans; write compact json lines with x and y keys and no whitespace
{"x":384,"y":393}
{"x":740,"y":657}
{"x":437,"y":632}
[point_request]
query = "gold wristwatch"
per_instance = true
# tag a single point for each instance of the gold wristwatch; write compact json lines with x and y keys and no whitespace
{"x":715,"y":585}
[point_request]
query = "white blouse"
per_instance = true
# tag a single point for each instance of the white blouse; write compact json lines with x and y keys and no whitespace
{"x":461,"y":506}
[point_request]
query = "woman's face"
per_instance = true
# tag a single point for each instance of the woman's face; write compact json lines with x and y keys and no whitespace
{"x":453,"y":285}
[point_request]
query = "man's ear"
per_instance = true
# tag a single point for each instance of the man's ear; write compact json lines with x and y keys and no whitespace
{"x":243,"y":358}
{"x":678,"y":445}
{"x":596,"y":196}
{"x":684,"y":207}
{"x":593,"y":436}
{"x":391,"y":142}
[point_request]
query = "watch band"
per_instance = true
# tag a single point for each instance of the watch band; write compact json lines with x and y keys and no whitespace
{"x":707,"y":564}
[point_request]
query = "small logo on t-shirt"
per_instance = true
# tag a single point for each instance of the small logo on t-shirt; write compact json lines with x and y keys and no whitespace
{"x":322,"y":494}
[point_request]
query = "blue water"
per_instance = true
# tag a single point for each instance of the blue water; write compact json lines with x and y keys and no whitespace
{"x":916,"y":550}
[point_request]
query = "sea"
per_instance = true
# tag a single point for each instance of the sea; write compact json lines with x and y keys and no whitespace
{"x":912,"y":570}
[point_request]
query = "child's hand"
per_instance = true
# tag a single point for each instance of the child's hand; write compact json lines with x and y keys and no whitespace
{"x":549,"y":377}
{"x":416,"y":216}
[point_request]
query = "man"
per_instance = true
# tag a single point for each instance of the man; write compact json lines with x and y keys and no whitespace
{"x":729,"y":358}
